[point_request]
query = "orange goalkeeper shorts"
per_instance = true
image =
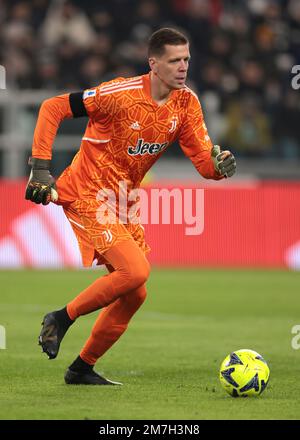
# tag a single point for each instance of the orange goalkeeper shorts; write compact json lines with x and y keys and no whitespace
{"x":94,"y":238}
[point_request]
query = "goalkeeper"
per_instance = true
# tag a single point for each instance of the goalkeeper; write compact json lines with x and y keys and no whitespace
{"x":131,"y":123}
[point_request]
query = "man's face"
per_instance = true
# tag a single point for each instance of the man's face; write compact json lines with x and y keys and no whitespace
{"x":172,"y":66}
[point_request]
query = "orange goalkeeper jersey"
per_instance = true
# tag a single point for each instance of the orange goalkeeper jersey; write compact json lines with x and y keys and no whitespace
{"x":126,"y":133}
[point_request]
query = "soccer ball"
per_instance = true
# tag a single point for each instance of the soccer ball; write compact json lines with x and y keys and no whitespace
{"x":244,"y":373}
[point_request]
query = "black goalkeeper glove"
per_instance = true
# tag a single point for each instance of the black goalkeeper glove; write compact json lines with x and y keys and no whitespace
{"x":224,"y":161}
{"x":41,"y":186}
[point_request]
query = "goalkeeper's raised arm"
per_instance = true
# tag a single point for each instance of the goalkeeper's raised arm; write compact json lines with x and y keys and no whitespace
{"x":41,"y":186}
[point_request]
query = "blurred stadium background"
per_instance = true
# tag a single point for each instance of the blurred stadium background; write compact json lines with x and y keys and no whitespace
{"x":243,"y":53}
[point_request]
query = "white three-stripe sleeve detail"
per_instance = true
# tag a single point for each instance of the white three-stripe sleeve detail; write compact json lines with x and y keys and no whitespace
{"x":122,"y":84}
{"x":120,"y":89}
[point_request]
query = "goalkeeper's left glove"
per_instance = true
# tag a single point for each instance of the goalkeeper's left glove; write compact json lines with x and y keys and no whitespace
{"x":224,"y":161}
{"x":41,"y":186}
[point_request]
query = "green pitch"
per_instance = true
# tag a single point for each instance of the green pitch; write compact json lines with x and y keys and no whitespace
{"x":169,"y":357}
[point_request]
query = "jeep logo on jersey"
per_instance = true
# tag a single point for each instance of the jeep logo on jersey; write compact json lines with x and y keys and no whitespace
{"x":146,"y":148}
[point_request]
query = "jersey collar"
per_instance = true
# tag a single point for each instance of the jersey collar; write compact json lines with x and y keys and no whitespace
{"x":147,"y":91}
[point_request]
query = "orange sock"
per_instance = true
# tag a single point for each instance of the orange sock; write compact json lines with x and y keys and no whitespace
{"x":111,"y":324}
{"x":131,"y":271}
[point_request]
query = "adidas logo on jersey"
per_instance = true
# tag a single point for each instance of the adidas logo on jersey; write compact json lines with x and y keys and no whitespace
{"x":135,"y":126}
{"x":146,"y":148}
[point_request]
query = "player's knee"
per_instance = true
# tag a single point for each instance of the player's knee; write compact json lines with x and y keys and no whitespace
{"x":132,"y":268}
{"x":138,"y":296}
{"x":139,"y":274}
{"x":134,"y":300}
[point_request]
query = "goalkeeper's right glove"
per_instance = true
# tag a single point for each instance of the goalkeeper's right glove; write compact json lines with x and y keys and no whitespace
{"x":41,"y":186}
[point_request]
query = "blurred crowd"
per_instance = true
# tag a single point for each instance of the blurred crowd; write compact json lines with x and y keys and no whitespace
{"x":242,"y":57}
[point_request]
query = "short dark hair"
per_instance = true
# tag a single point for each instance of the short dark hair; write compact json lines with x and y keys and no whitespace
{"x":164,"y":36}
